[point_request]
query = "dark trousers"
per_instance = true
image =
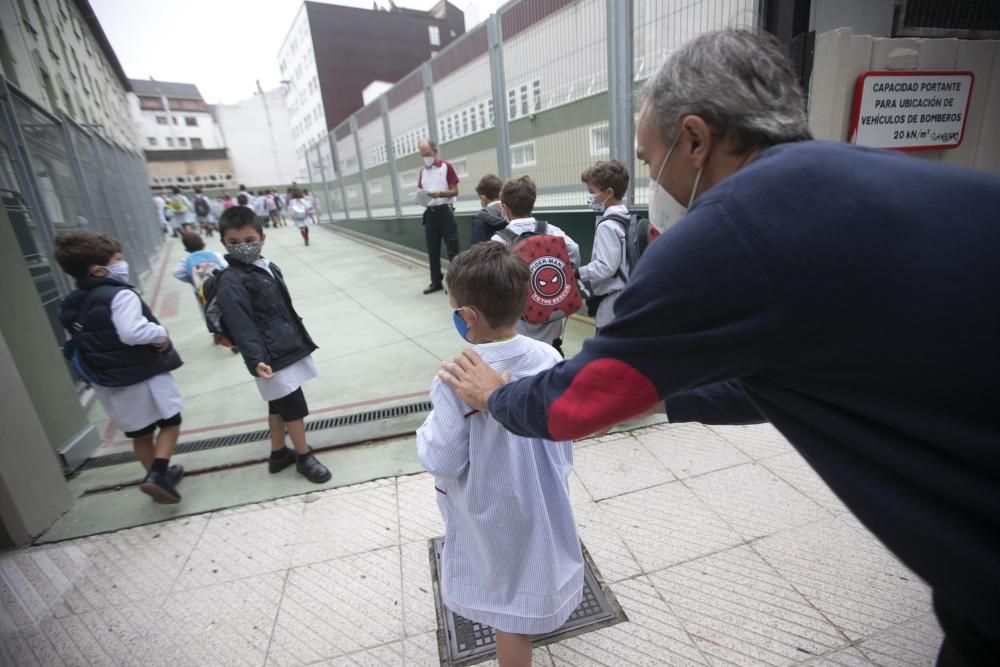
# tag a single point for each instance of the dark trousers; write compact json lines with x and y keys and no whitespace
{"x":965,"y":645}
{"x":439,"y":224}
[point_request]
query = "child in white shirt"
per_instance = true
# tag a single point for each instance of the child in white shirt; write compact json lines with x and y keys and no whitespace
{"x":512,"y":558}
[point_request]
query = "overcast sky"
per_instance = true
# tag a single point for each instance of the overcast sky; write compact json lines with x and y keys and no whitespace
{"x":222,"y":46}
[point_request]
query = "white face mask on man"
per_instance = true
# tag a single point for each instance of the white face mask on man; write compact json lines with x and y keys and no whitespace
{"x":429,"y":160}
{"x":664,"y":210}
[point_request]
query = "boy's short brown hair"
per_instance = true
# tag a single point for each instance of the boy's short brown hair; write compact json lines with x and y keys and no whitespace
{"x":518,"y":195}
{"x":192,"y":241}
{"x":607,"y":174}
{"x":489,"y":187}
{"x":76,"y":252}
{"x":491,"y":278}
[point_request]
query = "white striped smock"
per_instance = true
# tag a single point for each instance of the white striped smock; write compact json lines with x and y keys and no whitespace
{"x":512,"y":556}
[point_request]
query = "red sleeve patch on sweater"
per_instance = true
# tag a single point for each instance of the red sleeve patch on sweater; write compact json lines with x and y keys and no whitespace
{"x":602,"y":394}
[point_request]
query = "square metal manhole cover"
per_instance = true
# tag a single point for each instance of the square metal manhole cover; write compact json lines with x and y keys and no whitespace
{"x":463,"y":642}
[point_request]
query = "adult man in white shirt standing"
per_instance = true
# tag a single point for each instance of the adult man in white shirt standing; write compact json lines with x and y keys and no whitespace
{"x":439,"y":179}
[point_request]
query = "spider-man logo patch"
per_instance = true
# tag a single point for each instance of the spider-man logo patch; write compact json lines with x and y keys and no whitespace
{"x":549,"y":285}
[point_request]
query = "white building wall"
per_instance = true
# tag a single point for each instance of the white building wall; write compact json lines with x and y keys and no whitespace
{"x":174,"y":132}
{"x":297,"y":63}
{"x":258,"y":134}
{"x":53,"y":58}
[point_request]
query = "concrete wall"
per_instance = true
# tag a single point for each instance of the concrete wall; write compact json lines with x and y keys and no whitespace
{"x":841,"y":56}
{"x":258,"y":134}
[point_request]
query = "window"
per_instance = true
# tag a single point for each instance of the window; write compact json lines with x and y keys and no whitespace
{"x":352,"y":192}
{"x":375,"y":187}
{"x":191,"y":121}
{"x":524,"y":100}
{"x":196,"y":143}
{"x":182,"y":141}
{"x":448,"y":129}
{"x":472,"y":120}
{"x":599,"y":140}
{"x":408,"y":179}
{"x":461,"y":167}
{"x":465,"y":122}
{"x":522,"y":155}
{"x":536,"y":95}
{"x":482,"y":116}
{"x":151,"y":141}
{"x":490,"y":105}
{"x":512,"y":104}
{"x":161,"y":120}
{"x":435,"y":35}
{"x":175,"y":120}
{"x":170,"y":142}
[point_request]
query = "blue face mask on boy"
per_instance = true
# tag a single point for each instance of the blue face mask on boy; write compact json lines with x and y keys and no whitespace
{"x":460,"y":325}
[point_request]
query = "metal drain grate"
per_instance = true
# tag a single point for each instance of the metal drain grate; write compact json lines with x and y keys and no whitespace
{"x":463,"y":642}
{"x":254,"y":436}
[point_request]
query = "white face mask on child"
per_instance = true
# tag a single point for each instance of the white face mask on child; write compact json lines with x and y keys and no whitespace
{"x":118,"y":271}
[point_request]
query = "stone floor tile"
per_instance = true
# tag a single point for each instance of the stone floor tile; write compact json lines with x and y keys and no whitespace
{"x":618,"y":467}
{"x":223,"y":624}
{"x":339,"y":607}
{"x":599,"y":533}
{"x":915,"y":644}
{"x":848,"y":575}
{"x":652,"y":636}
{"x":602,"y":439}
{"x":389,"y":655}
{"x":422,"y":651}
{"x":419,"y":613}
{"x":96,"y":572}
{"x":419,"y":517}
{"x":792,"y":468}
{"x":690,"y":449}
{"x":578,"y":493}
{"x":666,"y":525}
{"x":848,"y":657}
{"x":739,"y":610}
{"x":342,"y":524}
{"x":754,"y":501}
{"x":235,"y":545}
{"x":758,"y":441}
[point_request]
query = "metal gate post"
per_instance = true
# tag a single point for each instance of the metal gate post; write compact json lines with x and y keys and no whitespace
{"x":620,"y":92}
{"x":494,"y":38}
{"x":361,"y":166}
{"x":390,"y":153}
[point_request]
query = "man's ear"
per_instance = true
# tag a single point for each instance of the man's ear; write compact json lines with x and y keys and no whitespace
{"x":697,"y":139}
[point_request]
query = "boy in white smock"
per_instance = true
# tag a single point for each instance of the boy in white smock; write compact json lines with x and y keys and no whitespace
{"x":512,"y":557}
{"x":258,"y":317}
{"x":123,"y":352}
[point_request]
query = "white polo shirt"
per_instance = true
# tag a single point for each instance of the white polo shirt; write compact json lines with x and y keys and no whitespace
{"x":439,"y":177}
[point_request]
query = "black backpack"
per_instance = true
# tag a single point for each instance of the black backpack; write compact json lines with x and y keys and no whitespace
{"x":201,"y":207}
{"x":639,"y":233}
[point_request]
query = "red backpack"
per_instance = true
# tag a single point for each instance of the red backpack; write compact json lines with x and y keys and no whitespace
{"x":553,"y":294}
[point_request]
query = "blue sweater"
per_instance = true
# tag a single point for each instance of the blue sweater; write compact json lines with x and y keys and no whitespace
{"x":852,"y":298}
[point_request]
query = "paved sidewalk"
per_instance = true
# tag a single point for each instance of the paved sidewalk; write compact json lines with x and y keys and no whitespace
{"x":720,"y":544}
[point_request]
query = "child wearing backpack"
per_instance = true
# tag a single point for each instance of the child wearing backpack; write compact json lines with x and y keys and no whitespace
{"x":517,"y":199}
{"x":180,"y":207}
{"x":488,"y":221}
{"x":299,"y":210}
{"x":258,"y":316}
{"x":203,"y":211}
{"x":608,"y":269}
{"x":197,"y":267}
{"x":512,"y":558}
{"x":120,"y":349}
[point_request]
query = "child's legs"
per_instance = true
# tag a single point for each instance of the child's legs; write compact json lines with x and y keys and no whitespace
{"x":305,"y":232}
{"x":166,"y":439}
{"x":513,"y":650}
{"x":143,"y":448}
{"x":288,"y":413}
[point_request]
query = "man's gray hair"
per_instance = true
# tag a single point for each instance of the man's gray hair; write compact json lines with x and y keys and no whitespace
{"x":739,"y":81}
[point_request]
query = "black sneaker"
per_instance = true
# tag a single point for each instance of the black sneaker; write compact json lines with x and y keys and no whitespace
{"x":159,"y":487}
{"x":433,"y":287}
{"x":277,"y":465}
{"x":310,"y":468}
{"x":175,"y":473}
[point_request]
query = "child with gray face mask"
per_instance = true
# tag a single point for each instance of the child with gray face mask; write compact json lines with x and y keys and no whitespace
{"x":258,"y":317}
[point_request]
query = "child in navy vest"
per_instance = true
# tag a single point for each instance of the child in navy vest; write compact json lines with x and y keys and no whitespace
{"x":123,"y":352}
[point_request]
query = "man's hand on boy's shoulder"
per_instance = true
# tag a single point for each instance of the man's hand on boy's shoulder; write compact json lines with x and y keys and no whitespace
{"x":264,"y":371}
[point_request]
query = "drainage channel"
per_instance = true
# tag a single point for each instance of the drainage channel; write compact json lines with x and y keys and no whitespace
{"x":254,"y":436}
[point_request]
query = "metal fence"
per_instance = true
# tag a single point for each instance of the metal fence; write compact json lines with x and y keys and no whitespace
{"x":543,"y":87}
{"x":57,"y":176}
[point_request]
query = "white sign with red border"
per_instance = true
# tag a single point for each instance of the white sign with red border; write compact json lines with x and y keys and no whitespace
{"x":911,"y":110}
